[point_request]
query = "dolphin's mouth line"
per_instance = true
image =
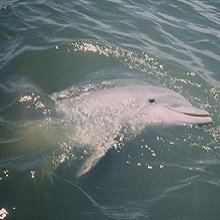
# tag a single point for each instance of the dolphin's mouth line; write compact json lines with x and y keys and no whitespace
{"x":198,"y":115}
{"x":194,"y":115}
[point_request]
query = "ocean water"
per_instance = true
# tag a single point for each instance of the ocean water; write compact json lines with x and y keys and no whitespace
{"x":51,"y":50}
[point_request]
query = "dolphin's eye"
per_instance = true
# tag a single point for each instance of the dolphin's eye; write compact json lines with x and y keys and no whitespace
{"x":152,"y":101}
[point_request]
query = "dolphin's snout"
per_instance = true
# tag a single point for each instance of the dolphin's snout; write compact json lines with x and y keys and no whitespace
{"x":198,"y":116}
{"x":195,"y":112}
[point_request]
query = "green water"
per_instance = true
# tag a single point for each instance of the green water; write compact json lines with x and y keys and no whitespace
{"x":163,"y":173}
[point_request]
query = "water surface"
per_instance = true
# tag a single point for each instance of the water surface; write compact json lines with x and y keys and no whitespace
{"x":47,"y":47}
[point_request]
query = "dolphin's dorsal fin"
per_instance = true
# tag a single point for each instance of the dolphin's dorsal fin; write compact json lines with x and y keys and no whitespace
{"x":91,"y":161}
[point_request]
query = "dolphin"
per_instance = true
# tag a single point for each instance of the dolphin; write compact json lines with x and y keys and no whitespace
{"x":106,"y":118}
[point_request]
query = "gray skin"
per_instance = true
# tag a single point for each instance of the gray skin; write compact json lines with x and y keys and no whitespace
{"x":105,"y":118}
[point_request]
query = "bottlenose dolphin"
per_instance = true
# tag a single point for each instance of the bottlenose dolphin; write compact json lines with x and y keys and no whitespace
{"x":106,"y":118}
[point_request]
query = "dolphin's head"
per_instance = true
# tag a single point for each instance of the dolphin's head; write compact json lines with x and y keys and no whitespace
{"x":168,"y":107}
